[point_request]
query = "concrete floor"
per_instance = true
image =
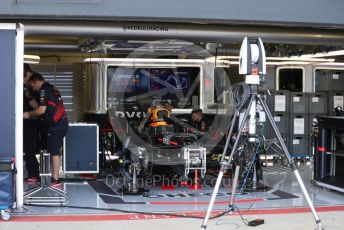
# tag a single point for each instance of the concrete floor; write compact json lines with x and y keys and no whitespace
{"x":331,"y":221}
{"x":282,"y":206}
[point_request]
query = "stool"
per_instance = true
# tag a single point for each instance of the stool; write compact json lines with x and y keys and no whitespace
{"x":45,"y":194}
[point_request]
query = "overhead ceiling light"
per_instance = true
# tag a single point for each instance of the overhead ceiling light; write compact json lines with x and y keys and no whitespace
{"x":277,"y":63}
{"x":341,"y":64}
{"x":31,"y":59}
{"x":328,"y":54}
{"x":296,"y":58}
{"x":143,"y":60}
{"x":300,"y":59}
{"x":150,"y":61}
{"x":288,"y":63}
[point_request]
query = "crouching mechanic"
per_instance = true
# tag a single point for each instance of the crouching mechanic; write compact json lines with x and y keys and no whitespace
{"x":51,"y":107}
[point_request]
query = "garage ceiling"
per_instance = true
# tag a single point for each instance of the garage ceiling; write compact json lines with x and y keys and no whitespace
{"x":202,"y":40}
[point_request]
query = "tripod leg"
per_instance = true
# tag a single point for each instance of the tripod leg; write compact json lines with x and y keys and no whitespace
{"x":235,"y":184}
{"x":212,"y":200}
{"x":291,"y":162}
{"x":224,"y":166}
{"x":229,"y":137}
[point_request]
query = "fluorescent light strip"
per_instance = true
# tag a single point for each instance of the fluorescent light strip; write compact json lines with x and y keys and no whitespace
{"x":149,"y":61}
{"x":300,"y":59}
{"x":145,"y":60}
{"x":293,"y":58}
{"x":328,"y":54}
{"x":332,"y":64}
{"x":140,"y":60}
{"x":278,"y":63}
{"x":31,"y":59}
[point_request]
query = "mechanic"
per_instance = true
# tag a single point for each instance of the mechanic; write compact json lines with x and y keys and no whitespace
{"x":198,"y":120}
{"x":51,"y":106}
{"x":30,"y":129}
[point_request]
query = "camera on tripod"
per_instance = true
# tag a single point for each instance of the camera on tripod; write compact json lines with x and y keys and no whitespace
{"x":252,"y":60}
{"x":252,"y":63}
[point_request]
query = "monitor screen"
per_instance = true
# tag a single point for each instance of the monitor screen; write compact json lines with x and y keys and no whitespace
{"x":171,"y":79}
{"x":127,"y":80}
{"x":177,"y":85}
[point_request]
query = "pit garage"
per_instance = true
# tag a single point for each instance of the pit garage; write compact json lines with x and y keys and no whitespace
{"x":229,"y":119}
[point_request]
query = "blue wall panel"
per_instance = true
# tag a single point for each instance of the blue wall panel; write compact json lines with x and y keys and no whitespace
{"x":7,"y":93}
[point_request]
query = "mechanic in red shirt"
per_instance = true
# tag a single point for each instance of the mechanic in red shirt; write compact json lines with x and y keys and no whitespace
{"x":51,"y":107}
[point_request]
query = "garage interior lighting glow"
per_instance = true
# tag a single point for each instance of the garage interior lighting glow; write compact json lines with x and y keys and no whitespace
{"x":31,"y":59}
{"x":277,"y":63}
{"x":328,"y":54}
{"x":295,"y":59}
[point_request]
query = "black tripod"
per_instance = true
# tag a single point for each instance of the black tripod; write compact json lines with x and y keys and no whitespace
{"x":225,"y":164}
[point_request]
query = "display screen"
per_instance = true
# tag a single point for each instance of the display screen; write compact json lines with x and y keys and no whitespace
{"x":173,"y":79}
{"x":128,"y":80}
{"x":178,"y":85}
